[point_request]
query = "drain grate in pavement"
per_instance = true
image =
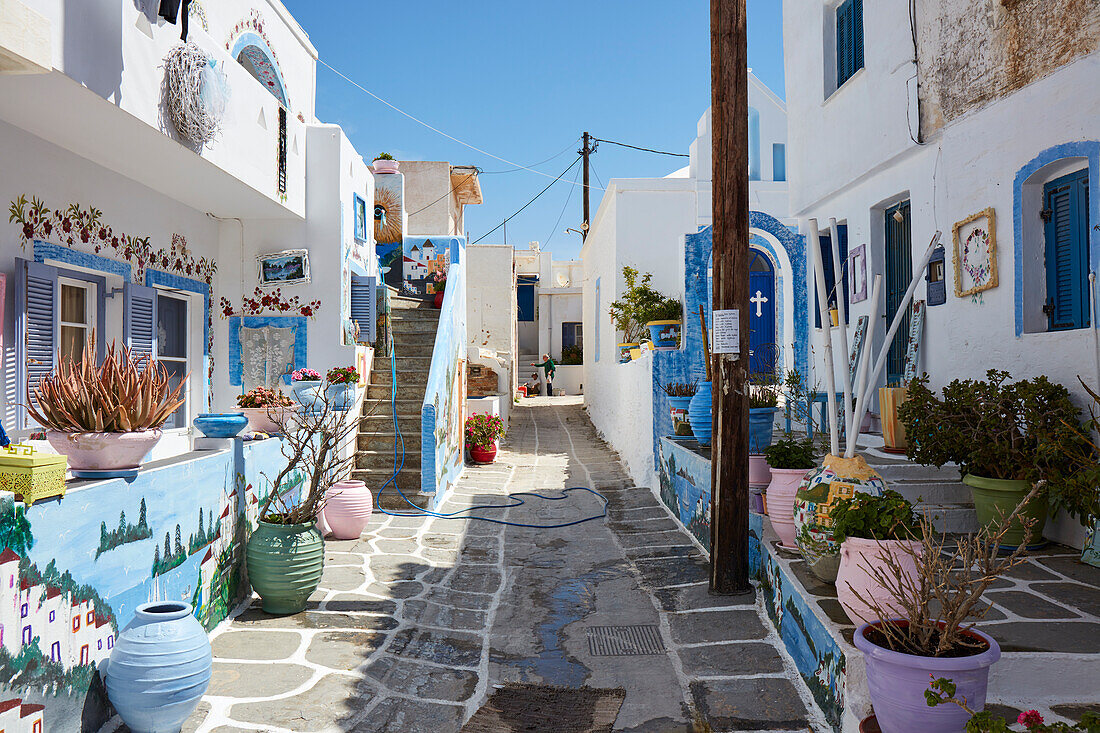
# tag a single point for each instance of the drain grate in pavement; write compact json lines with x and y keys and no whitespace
{"x":624,"y":641}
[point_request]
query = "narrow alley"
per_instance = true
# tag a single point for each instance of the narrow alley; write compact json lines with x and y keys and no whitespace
{"x":417,"y":623}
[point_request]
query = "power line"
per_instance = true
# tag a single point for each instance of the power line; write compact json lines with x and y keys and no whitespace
{"x":540,"y":193}
{"x":644,"y":150}
{"x":568,"y":198}
{"x":597,"y":175}
{"x":453,"y":189}
{"x":418,"y":121}
{"x":560,"y":153}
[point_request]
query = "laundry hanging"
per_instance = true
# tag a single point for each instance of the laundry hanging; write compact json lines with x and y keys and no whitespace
{"x":171,"y":9}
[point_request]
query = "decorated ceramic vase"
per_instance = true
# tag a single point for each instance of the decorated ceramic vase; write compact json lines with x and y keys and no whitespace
{"x":699,"y":415}
{"x":159,"y":668}
{"x":348,"y":506}
{"x":836,"y":478}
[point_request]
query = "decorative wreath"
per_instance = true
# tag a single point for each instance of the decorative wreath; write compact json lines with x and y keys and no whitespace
{"x":975,"y":256}
{"x":195,"y":93}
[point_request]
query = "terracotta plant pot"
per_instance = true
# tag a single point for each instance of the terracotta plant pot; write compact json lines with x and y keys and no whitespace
{"x":760,"y":473}
{"x":437,"y":300}
{"x":348,"y":506}
{"x":781,"y":492}
{"x":385,"y":166}
{"x":858,"y":558}
{"x":836,"y":478}
{"x":265,"y":419}
{"x":482,"y":454}
{"x":104,"y":451}
{"x":897,"y":683}
{"x":893,"y":432}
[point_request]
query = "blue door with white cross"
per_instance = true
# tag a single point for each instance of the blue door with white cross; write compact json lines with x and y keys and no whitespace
{"x":763,"y":351}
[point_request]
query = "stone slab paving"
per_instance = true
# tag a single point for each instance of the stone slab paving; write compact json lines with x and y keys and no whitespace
{"x":417,"y":621}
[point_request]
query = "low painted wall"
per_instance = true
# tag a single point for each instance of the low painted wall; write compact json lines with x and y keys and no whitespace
{"x":569,"y":377}
{"x":442,"y":429}
{"x":684,"y":476}
{"x":74,"y":569}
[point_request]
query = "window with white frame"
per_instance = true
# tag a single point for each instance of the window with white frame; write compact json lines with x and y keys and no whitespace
{"x":75,"y":317}
{"x":172,"y":349}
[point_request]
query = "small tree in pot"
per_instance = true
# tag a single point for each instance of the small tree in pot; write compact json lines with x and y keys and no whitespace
{"x":790,"y":459}
{"x":1006,"y":437}
{"x":641,"y":305}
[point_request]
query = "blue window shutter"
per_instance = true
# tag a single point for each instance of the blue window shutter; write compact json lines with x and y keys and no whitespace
{"x":842,"y":41}
{"x":825,"y":248}
{"x":139,"y":320}
{"x":857,"y":36}
{"x":1066,"y":200}
{"x":36,"y":312}
{"x":525,"y":299}
{"x":779,"y":162}
{"x":842,"y":245}
{"x":363,"y":307}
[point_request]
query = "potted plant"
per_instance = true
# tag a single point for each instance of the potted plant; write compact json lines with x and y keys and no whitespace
{"x":104,"y":417}
{"x":221,"y":424}
{"x":1005,"y":437}
{"x":265,"y":409}
{"x":384,"y":163}
{"x":643,"y":311}
{"x":943,"y":692}
{"x":341,"y":390}
{"x":868,"y":527}
{"x":763,"y":403}
{"x":482,"y":432}
{"x":789,"y":459}
{"x":305,"y":384}
{"x":933,"y":635}
{"x":440,"y":287}
{"x":572,"y":355}
{"x":285,"y":553}
{"x":890,"y":398}
{"x":679,"y":398}
{"x":625,"y":350}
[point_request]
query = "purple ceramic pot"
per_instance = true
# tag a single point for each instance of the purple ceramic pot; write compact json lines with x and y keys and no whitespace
{"x":897,"y":683}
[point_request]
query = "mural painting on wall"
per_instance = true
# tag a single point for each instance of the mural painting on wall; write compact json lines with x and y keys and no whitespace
{"x":259,"y":53}
{"x":449,"y":419}
{"x":684,"y":477}
{"x":389,"y":227}
{"x":424,"y":265}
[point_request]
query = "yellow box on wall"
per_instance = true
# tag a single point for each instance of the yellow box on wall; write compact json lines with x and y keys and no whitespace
{"x":30,"y":474}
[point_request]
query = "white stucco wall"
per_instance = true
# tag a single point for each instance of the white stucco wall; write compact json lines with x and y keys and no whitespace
{"x":491,"y":314}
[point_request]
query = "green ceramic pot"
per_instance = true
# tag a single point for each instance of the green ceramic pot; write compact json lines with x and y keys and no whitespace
{"x":995,"y":498}
{"x":285,"y":562}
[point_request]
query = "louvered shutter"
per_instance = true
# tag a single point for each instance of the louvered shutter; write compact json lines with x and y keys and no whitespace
{"x":857,"y":36}
{"x":842,"y":289}
{"x":1066,"y":251}
{"x":825,"y":250}
{"x":363,"y":307}
{"x":139,"y":320}
{"x":36,"y":301}
{"x":843,"y":41}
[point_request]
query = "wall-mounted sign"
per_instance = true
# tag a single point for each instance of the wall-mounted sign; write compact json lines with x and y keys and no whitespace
{"x":936,"y":278}
{"x":727,"y":332}
{"x":284,"y":268}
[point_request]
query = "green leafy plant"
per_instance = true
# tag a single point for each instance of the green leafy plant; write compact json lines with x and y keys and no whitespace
{"x":681,"y":389}
{"x":483,"y":430}
{"x":121,"y":395}
{"x":263,"y":397}
{"x":572,"y":355}
{"x":1025,"y":430}
{"x":383,"y":156}
{"x":641,"y":304}
{"x":886,"y":517}
{"x":943,"y":691}
{"x":342,"y":375}
{"x":799,"y":397}
{"x":1075,"y":485}
{"x":762,"y":396}
{"x":790,"y":452}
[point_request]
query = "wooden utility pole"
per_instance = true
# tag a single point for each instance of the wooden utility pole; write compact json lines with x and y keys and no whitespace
{"x":585,"y":151}
{"x":729,"y":547}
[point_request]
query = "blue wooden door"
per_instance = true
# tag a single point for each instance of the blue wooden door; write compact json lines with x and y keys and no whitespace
{"x":899,"y":273}
{"x":762,"y":349}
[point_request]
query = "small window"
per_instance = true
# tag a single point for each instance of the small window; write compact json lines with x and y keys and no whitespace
{"x":110,"y":642}
{"x":1066,"y":218}
{"x":779,"y":162}
{"x":571,"y":335}
{"x":75,"y":317}
{"x":23,"y":611}
{"x":90,"y":618}
{"x":172,"y":347}
{"x":53,"y":616}
{"x":28,"y":636}
{"x":76,"y":624}
{"x":849,"y":40}
{"x":99,"y":644}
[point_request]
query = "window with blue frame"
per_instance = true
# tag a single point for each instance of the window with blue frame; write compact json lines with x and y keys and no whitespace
{"x":1066,"y":224}
{"x":835,"y":290}
{"x":360,"y":207}
{"x":849,"y":40}
{"x":779,"y":162}
{"x":571,"y":335}
{"x":525,"y":298}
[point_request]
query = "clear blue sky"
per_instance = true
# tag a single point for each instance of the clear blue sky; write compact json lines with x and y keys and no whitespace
{"x":522,"y":80}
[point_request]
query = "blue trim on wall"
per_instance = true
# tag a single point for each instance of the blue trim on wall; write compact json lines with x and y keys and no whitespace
{"x":1089,"y":149}
{"x":46,"y":251}
{"x":298,"y":323}
{"x":250,"y":38}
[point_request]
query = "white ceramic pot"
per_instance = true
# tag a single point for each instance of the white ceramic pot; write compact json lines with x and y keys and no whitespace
{"x":104,"y":451}
{"x":781,"y":491}
{"x":265,"y":419}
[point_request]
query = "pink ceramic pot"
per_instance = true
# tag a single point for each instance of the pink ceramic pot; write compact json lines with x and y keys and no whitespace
{"x":858,"y":558}
{"x":104,"y":451}
{"x":781,"y":491}
{"x":265,"y":419}
{"x":348,"y":506}
{"x":760,"y":473}
{"x":384,"y":166}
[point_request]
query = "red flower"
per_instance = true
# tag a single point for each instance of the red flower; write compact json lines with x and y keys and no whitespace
{"x":47,"y":227}
{"x":103,"y":232}
{"x":28,"y":231}
{"x":85,"y":235}
{"x":1030,"y":719}
{"x":66,"y":225}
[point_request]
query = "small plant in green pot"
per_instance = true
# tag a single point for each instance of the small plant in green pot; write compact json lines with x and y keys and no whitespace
{"x":1006,"y":437}
{"x":789,"y":458}
{"x":867,"y":527}
{"x":286,"y":552}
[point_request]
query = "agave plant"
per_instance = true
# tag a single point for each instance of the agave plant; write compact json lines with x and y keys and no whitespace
{"x":121,"y":395}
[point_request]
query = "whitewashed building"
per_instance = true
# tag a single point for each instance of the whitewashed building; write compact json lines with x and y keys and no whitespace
{"x":548,"y":314}
{"x":904,"y":125}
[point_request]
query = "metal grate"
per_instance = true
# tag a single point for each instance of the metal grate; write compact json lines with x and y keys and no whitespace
{"x":624,"y":641}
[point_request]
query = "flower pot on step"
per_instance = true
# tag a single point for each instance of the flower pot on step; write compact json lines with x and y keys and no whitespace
{"x":159,"y":667}
{"x":221,"y":425}
{"x":897,"y":683}
{"x":859,"y":558}
{"x":780,"y":498}
{"x":483,"y":454}
{"x":996,"y":498}
{"x":341,"y":396}
{"x":265,"y":419}
{"x":104,"y":451}
{"x":699,"y":413}
{"x":285,"y":562}
{"x":307,"y":394}
{"x":761,"y":427}
{"x":348,"y":506}
{"x":760,"y":473}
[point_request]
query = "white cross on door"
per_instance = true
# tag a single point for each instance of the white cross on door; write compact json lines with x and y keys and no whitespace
{"x":759,"y":299}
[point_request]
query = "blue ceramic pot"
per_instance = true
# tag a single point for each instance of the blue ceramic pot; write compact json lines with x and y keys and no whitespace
{"x":699,"y":414}
{"x":221,"y":425}
{"x":678,"y":411}
{"x":761,"y":424}
{"x":341,"y":396}
{"x":665,"y":335}
{"x":159,"y":668}
{"x":307,"y":394}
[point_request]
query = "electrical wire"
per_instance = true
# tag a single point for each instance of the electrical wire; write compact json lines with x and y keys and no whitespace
{"x":597,"y":175}
{"x":540,"y":193}
{"x":453,"y":189}
{"x":644,"y":150}
{"x":436,"y":130}
{"x":568,"y":198}
{"x":560,"y":153}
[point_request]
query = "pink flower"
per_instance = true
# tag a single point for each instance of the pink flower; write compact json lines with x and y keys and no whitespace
{"x":1030,"y":719}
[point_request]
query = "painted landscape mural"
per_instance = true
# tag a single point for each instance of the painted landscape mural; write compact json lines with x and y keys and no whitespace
{"x":72,"y":572}
{"x":685,"y":487}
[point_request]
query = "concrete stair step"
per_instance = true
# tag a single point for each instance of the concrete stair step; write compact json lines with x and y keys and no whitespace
{"x":408,"y":480}
{"x":384,"y":441}
{"x":951,"y":518}
{"x":382,"y":460}
{"x":934,"y":492}
{"x":414,"y":326}
{"x":410,"y":378}
{"x":400,"y":302}
{"x":413,"y":362}
{"x":902,"y":470}
{"x":383,"y":424}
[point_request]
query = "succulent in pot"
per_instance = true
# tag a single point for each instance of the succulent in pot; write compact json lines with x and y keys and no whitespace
{"x":789,"y":459}
{"x":105,"y":417}
{"x":482,"y":433}
{"x":265,"y":409}
{"x":1006,"y":437}
{"x":926,"y":625}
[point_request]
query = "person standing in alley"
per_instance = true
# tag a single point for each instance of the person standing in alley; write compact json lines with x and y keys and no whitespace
{"x":548,"y":367}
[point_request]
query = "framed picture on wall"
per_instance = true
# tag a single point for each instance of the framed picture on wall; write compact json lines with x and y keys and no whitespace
{"x":858,"y":279}
{"x":284,"y":268}
{"x":975,"y":255}
{"x":360,"y":206}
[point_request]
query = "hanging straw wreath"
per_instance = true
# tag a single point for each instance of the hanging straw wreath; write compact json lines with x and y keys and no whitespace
{"x":195,"y":92}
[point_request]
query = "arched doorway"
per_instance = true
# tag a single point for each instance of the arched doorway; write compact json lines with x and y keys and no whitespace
{"x":764,"y":353}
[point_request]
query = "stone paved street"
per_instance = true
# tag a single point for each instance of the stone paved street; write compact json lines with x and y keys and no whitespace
{"x":417,"y":621}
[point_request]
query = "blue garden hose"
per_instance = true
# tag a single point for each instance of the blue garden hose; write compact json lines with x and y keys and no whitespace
{"x":461,"y":513}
